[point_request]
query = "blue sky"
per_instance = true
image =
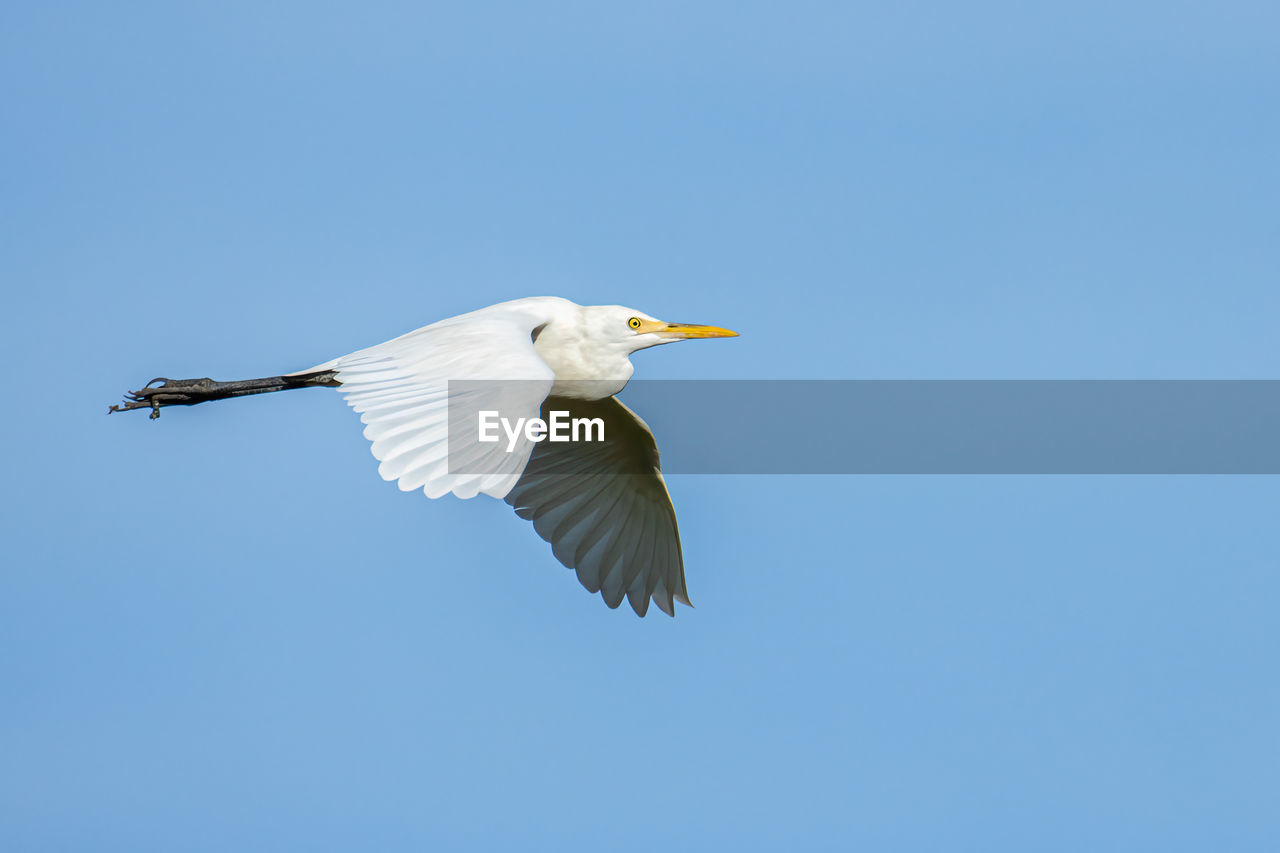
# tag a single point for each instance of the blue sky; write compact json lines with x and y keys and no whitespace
{"x":224,"y":631}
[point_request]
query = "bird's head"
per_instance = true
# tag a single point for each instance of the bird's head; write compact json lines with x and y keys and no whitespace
{"x":636,"y":330}
{"x":594,"y":343}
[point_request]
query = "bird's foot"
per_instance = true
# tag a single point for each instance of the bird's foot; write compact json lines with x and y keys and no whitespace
{"x":170,"y":392}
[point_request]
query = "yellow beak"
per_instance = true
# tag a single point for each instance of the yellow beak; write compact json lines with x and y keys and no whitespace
{"x":686,"y":330}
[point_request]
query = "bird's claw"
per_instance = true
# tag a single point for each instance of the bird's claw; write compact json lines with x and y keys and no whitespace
{"x":168,"y":392}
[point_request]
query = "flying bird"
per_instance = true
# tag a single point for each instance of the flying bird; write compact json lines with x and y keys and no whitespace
{"x":489,"y":402}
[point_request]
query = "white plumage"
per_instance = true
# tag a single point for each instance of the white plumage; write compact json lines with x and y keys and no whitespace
{"x":602,"y":505}
{"x":401,"y":390}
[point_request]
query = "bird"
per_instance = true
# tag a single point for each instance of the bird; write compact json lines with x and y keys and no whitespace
{"x":432,"y":402}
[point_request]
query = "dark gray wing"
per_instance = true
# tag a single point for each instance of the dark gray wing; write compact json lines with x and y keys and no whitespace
{"x":604,"y":507}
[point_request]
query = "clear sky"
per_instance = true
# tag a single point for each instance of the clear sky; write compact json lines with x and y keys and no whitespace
{"x":222,"y":630}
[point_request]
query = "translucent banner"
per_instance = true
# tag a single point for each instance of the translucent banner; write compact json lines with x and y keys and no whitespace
{"x":879,"y":427}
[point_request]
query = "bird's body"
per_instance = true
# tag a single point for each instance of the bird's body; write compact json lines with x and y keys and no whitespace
{"x":602,"y":505}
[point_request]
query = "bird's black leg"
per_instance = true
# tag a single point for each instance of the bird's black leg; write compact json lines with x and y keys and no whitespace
{"x":189,"y":392}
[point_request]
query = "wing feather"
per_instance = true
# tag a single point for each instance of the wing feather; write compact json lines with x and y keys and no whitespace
{"x":604,"y":507}
{"x":402,"y":391}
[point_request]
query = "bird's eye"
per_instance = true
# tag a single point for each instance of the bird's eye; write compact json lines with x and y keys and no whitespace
{"x":634,"y":322}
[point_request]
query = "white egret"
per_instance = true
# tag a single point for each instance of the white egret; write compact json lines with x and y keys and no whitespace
{"x":602,"y":505}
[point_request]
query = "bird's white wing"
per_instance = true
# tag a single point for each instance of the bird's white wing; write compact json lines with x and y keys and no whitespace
{"x":604,"y":507}
{"x":411,"y":389}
